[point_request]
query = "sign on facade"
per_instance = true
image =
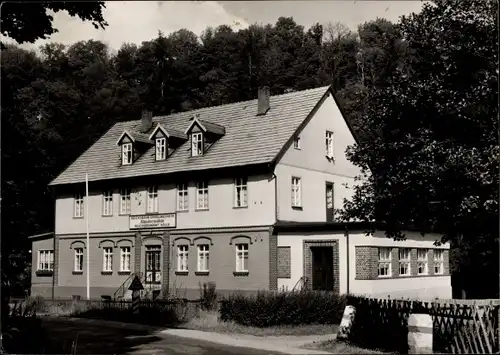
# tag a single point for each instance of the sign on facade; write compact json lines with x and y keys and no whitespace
{"x":150,"y":221}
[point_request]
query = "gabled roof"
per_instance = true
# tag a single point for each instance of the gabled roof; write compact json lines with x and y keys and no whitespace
{"x":134,"y":136}
{"x":249,"y":139}
{"x":206,"y":127}
{"x":168,"y":133}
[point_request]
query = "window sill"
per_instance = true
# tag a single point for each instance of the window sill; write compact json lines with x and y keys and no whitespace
{"x":240,"y":273}
{"x":152,"y":212}
{"x":123,"y":272}
{"x":106,"y":272}
{"x":77,"y":217}
{"x":107,"y":215}
{"x":182,"y":211}
{"x":77,"y":272}
{"x":298,"y":208}
{"x":201,"y":209}
{"x":123,"y":214}
{"x":202,"y":273}
{"x":182,"y":273}
{"x":44,"y":273}
{"x":240,"y":207}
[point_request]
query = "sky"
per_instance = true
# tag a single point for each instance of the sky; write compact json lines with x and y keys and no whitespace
{"x":137,"y":21}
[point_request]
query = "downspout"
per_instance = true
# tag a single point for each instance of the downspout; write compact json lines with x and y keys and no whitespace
{"x":275,"y":178}
{"x":54,"y":244}
{"x":346,"y":234}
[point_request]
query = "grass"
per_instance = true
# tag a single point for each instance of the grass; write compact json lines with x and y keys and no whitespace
{"x":339,"y":347}
{"x":209,"y":321}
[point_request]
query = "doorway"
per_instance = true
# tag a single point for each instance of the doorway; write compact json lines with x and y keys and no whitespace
{"x":153,"y":264}
{"x":322,"y":268}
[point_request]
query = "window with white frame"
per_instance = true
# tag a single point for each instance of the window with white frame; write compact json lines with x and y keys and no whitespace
{"x":203,"y":257}
{"x":161,"y":148}
{"x":125,"y":202}
{"x":152,"y":199}
{"x":241,"y":257}
{"x":182,"y":257}
{"x":296,"y":192}
{"x":422,"y":259}
{"x":127,"y":154}
{"x":107,"y":259}
{"x":438,"y":261}
{"x":107,"y":203}
{"x":196,"y":144}
{"x":125,"y":259}
{"x":46,"y":260}
{"x":78,"y":208}
{"x":404,"y":261}
{"x":384,"y":261}
{"x":329,"y":144}
{"x":296,"y":142}
{"x":182,"y":197}
{"x":240,"y":192}
{"x":78,"y":259}
{"x":202,"y":195}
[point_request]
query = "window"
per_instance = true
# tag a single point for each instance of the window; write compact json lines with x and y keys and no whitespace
{"x":107,"y":203}
{"x":202,"y":195}
{"x":46,"y":260}
{"x":197,"y":144}
{"x":240,"y":192}
{"x":78,"y":205}
{"x":438,"y":261}
{"x":422,"y":261}
{"x":404,"y":262}
{"x":182,"y":197}
{"x":161,"y":148}
{"x":296,"y":193}
{"x":296,"y":142}
{"x":152,"y":199}
{"x":241,"y":257}
{"x":78,"y":259}
{"x":384,"y":261}
{"x":126,"y":153}
{"x":107,"y":259}
{"x":329,"y":144}
{"x":182,"y":257}
{"x":203,"y":257}
{"x":125,"y":259}
{"x":125,"y":201}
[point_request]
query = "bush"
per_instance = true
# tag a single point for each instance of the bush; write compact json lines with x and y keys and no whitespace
{"x":208,"y":296}
{"x":275,"y":309}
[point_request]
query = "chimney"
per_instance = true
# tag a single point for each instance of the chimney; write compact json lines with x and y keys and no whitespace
{"x":263,"y":100}
{"x":146,"y":120}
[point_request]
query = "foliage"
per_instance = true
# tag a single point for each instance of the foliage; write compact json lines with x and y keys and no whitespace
{"x":208,"y":296}
{"x":267,"y":309}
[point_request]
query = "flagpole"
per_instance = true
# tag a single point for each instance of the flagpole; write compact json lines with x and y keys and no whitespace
{"x":87,"y":229}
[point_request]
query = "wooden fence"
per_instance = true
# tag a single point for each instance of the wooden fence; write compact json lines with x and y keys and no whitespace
{"x":459,"y":327}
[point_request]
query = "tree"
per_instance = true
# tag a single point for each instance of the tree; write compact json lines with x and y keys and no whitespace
{"x":28,"y":22}
{"x":434,"y":160}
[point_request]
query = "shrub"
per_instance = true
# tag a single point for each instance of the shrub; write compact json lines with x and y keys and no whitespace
{"x":208,"y":296}
{"x":274,"y":309}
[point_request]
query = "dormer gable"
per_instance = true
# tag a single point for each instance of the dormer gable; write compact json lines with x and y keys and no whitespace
{"x":133,"y":145}
{"x":166,"y":141}
{"x":203,"y":134}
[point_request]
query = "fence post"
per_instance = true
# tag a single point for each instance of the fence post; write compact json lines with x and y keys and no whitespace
{"x":420,"y":334}
{"x":346,"y":323}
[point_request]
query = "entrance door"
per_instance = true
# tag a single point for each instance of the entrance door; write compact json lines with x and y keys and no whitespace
{"x":153,"y":264}
{"x":329,"y":201}
{"x":322,"y":268}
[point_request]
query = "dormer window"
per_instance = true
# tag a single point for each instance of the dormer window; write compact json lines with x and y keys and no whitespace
{"x":161,"y":148}
{"x":127,"y":153}
{"x":196,"y":144}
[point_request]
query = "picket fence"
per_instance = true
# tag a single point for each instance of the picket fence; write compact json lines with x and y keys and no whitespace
{"x":459,"y":326}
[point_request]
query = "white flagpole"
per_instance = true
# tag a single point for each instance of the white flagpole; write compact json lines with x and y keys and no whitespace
{"x":87,"y":228}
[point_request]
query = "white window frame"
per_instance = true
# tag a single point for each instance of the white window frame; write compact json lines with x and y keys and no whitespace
{"x":45,"y":260}
{"x":296,"y":191}
{"x":107,"y":203}
{"x":329,"y":144}
{"x":384,"y":262}
{"x":161,"y":148}
{"x":152,"y":199}
{"x":182,"y":197}
{"x":438,"y":261}
{"x":422,"y":261}
{"x":241,"y":192}
{"x":125,"y":201}
{"x":183,"y":258}
{"x":241,"y":253}
{"x":196,"y":144}
{"x":202,"y":190}
{"x":404,"y":261}
{"x":79,"y":205}
{"x":296,"y":142}
{"x":78,"y":267}
{"x":127,"y":154}
{"x":107,"y":259}
{"x":203,"y":257}
{"x":125,"y":258}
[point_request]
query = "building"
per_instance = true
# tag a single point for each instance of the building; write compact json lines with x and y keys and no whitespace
{"x":241,"y":194}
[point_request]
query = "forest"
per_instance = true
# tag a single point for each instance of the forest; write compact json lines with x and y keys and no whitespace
{"x":422,"y":94}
